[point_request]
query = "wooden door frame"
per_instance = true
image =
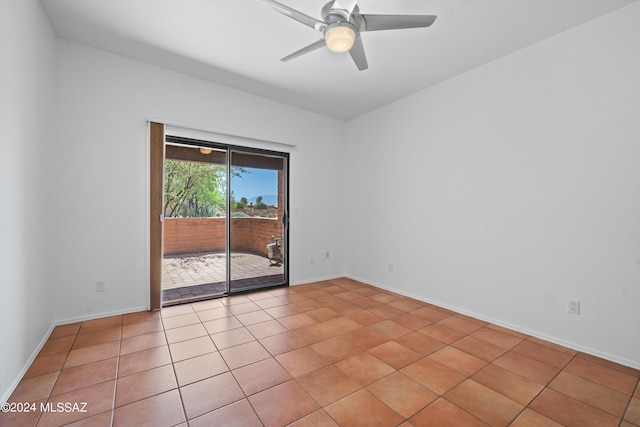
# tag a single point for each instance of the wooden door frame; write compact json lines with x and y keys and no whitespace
{"x":156,"y":176}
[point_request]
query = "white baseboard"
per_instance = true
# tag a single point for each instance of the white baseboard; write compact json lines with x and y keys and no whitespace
{"x":317,"y":279}
{"x":517,"y":328}
{"x":98,"y":315}
{"x":46,"y":336}
{"x":27,"y":365}
{"x":555,"y":340}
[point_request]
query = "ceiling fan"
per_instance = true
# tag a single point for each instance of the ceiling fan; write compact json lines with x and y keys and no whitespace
{"x":342,"y":25}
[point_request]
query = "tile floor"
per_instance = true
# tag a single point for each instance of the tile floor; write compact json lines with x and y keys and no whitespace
{"x":330,"y":353}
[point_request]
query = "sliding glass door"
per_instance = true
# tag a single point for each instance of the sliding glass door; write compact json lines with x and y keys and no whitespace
{"x":225,"y":220}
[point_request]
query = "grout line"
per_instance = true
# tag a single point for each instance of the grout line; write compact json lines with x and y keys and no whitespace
{"x":626,"y":408}
{"x":173,"y":368}
{"x":115,"y":385}
{"x":239,"y":301}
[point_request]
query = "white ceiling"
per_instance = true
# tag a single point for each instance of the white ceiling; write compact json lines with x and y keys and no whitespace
{"x":239,"y":43}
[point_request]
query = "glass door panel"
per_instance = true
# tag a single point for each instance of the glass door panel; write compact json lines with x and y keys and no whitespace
{"x":225,"y":220}
{"x":195,"y":223}
{"x":257,"y":226}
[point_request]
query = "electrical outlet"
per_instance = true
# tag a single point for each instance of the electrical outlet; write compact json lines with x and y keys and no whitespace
{"x":325,"y":254}
{"x":312,"y":261}
{"x":101,"y":286}
{"x":573,"y":306}
{"x":390,"y":266}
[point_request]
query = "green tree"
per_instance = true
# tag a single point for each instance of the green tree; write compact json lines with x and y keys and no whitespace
{"x":195,"y":189}
{"x":259,"y":204}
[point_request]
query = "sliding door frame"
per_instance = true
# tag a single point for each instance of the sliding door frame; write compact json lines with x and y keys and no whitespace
{"x":157,"y":193}
{"x":284,"y":220}
{"x":156,"y":214}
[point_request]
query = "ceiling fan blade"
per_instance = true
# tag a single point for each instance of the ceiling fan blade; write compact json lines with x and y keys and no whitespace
{"x":357,"y":54}
{"x":395,"y":22}
{"x":294,"y":14}
{"x":313,"y":46}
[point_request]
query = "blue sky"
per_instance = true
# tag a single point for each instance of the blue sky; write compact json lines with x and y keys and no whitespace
{"x":256,"y":182}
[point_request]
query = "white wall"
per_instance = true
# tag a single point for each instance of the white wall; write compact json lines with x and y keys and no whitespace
{"x":74,"y":177}
{"x":506,"y":190}
{"x":26,"y":97}
{"x":100,"y":210}
{"x":509,"y":189}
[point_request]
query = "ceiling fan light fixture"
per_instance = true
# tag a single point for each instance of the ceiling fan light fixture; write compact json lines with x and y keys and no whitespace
{"x":340,"y":36}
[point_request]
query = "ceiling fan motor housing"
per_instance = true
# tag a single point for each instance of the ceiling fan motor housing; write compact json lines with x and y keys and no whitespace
{"x":343,"y":27}
{"x":333,"y":16}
